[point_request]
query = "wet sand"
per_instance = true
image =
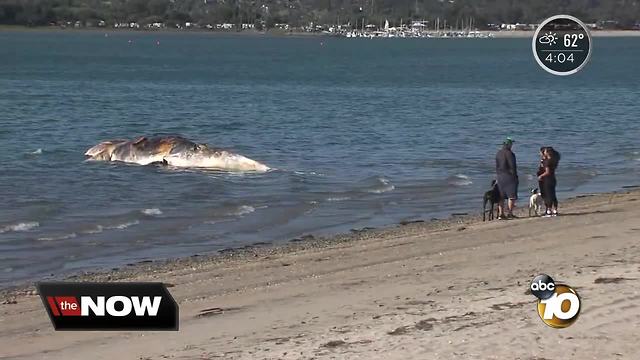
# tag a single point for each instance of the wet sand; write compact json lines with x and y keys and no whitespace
{"x":452,"y":289}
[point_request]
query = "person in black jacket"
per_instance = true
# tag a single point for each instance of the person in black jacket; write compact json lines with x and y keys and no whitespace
{"x":548,"y":180}
{"x":507,"y":176}
{"x":541,"y":170}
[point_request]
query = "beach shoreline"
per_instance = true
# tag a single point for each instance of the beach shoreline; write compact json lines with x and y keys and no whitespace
{"x":422,"y":290}
{"x":450,"y":289}
{"x":301,"y":243}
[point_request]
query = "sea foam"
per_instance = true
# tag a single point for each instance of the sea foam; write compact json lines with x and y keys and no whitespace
{"x":460,"y":180}
{"x":25,"y":226}
{"x":152,"y":212}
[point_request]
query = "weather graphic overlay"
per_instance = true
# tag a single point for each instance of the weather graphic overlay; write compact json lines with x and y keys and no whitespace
{"x":562,"y":45}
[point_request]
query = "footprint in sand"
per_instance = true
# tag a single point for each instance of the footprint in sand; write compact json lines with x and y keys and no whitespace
{"x":508,"y":305}
{"x":215,"y":311}
{"x":424,"y":325}
{"x":611,"y":280}
{"x":340,"y":343}
{"x":402,"y":330}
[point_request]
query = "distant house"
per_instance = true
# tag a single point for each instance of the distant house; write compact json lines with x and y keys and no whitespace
{"x":608,"y":24}
{"x":420,"y":25}
{"x":155,"y":25}
{"x":225,"y":26}
{"x":523,"y":27}
{"x":131,"y":25}
{"x":517,"y":26}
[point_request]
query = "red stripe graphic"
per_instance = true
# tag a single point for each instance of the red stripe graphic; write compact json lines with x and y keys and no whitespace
{"x":52,"y":306}
{"x":69,"y":305}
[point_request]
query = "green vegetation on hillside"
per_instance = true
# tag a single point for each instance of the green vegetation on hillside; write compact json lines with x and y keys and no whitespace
{"x":301,"y":12}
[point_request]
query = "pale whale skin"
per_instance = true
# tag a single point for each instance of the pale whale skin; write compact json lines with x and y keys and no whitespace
{"x":174,"y":151}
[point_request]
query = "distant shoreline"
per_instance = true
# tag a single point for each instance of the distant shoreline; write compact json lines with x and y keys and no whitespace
{"x":594,"y":33}
{"x":514,"y":34}
{"x":110,"y":30}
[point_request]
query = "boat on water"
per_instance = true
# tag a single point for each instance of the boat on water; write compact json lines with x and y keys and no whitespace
{"x":416,"y":29}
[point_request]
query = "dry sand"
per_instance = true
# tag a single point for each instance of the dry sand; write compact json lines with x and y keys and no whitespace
{"x":422,"y":291}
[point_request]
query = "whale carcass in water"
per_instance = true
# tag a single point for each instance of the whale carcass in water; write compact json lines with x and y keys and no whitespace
{"x":171,"y":150}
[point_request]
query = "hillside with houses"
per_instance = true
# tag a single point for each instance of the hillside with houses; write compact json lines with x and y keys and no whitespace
{"x":313,"y":15}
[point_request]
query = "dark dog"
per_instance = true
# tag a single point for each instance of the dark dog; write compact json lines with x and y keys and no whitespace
{"x":492,"y":197}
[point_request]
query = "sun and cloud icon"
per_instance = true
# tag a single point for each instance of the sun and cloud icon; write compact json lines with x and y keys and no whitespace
{"x":548,"y":39}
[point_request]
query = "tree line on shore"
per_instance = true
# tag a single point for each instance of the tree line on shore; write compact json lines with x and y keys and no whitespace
{"x":296,"y":13}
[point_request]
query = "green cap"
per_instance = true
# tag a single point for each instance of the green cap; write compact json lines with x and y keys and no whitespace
{"x":508,"y":141}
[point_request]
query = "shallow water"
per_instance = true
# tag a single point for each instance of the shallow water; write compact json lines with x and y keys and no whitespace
{"x":361,"y":132}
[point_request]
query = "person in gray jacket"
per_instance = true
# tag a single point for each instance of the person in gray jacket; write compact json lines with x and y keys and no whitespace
{"x":507,"y":177}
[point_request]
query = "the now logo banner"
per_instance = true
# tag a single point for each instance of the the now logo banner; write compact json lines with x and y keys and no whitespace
{"x":109,"y":306}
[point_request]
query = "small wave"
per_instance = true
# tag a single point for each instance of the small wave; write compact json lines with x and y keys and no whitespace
{"x":213,"y":222}
{"x":242,"y":210}
{"x":100,"y":228}
{"x":97,"y":230}
{"x":339,"y":198}
{"x":308,"y":173}
{"x":25,"y":226}
{"x":36,"y":152}
{"x":385,"y":186}
{"x":152,"y":212}
{"x":53,"y":238}
{"x":460,"y":180}
{"x":383,"y":190}
{"x":124,"y":225}
{"x":588,"y":173}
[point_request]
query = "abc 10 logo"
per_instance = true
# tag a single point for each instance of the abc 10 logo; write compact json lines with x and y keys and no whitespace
{"x":558,"y":304}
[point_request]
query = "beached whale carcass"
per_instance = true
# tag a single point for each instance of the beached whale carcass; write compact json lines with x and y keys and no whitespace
{"x":171,"y":150}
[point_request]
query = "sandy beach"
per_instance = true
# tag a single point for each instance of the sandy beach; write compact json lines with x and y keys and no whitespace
{"x":447,"y":290}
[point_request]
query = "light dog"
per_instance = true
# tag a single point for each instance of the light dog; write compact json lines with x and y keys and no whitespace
{"x":535,"y":202}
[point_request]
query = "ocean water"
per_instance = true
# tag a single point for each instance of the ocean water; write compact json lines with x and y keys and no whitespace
{"x":361,"y":133}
